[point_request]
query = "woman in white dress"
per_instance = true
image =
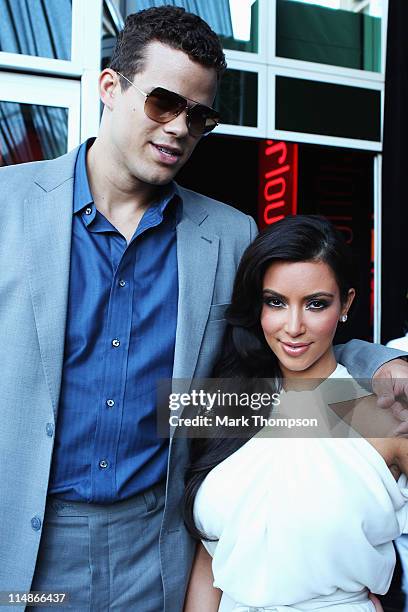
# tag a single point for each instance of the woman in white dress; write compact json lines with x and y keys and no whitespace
{"x":295,"y":524}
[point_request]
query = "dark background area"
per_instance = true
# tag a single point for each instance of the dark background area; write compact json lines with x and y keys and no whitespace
{"x":394,"y":306}
{"x":225,"y":168}
{"x":336,"y":183}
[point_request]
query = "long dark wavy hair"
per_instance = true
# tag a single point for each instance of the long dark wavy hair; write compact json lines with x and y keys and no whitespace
{"x":246,"y":353}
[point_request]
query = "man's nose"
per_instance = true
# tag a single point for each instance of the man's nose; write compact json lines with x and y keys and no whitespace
{"x":294,"y":322}
{"x":177,"y":126}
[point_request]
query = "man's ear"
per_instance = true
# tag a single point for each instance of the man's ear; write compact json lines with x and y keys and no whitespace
{"x":109,"y":85}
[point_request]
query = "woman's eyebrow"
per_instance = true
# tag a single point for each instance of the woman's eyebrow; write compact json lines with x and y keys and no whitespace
{"x":274,"y":293}
{"x":319,"y":294}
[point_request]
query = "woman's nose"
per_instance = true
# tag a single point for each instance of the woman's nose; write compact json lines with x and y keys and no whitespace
{"x":294,"y":322}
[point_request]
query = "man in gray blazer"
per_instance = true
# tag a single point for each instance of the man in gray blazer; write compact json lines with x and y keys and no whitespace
{"x":114,"y":277}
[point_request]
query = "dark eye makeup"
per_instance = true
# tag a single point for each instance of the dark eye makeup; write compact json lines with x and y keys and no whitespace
{"x":275,"y":301}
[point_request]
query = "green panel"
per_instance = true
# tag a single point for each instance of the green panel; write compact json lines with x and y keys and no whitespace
{"x":328,"y":109}
{"x":336,"y":37}
{"x":372,"y":43}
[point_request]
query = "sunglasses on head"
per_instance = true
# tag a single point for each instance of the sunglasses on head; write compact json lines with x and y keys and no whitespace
{"x":162,"y":105}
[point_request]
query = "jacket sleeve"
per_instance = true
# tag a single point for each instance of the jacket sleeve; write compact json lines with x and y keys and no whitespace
{"x":362,"y":359}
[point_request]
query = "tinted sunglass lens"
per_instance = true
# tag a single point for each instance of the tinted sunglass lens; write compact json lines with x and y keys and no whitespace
{"x":210,"y":124}
{"x":200,"y":122}
{"x":162,"y":105}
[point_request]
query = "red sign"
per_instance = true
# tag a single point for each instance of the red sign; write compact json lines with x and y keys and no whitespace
{"x":278,"y":178}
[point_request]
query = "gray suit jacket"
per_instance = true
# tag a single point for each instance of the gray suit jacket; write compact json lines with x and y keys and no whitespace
{"x":35,"y":225}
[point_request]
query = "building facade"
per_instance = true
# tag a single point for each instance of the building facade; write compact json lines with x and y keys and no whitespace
{"x":301,"y":106}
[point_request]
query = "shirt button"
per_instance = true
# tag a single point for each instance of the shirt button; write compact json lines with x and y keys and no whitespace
{"x":36,"y":523}
{"x":49,"y":428}
{"x":103,"y":464}
{"x":110,"y":403}
{"x":88,"y":210}
{"x":122,"y":283}
{"x":115,"y":342}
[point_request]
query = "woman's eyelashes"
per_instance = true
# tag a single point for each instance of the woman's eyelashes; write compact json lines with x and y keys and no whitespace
{"x":273,"y":302}
{"x":317,"y":304}
{"x":277,"y":302}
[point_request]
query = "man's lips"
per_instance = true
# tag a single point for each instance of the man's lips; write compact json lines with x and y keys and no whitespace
{"x":166,"y":153}
{"x":295,"y":349}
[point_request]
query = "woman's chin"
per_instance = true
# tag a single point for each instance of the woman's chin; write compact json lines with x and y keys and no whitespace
{"x":295,"y":364}
{"x":295,"y":370}
{"x":308,"y":368}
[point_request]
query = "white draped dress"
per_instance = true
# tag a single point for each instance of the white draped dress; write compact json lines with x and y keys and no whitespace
{"x":302,"y":524}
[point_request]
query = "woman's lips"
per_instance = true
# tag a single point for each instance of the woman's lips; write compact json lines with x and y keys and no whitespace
{"x":295,"y":350}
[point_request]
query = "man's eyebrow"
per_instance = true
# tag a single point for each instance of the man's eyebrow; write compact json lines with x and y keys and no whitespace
{"x":307,"y":297}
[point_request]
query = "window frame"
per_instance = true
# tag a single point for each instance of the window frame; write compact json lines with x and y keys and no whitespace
{"x":45,"y":91}
{"x":248,"y":56}
{"x":242,"y":130}
{"x":304,"y":137}
{"x":85,"y":45}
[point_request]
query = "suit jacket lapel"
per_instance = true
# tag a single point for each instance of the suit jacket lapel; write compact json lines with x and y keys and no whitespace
{"x":48,"y":226}
{"x":197,"y":255}
{"x":47,"y":229}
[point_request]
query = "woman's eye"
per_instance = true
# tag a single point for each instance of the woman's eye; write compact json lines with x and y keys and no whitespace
{"x":316,"y":305}
{"x":274,"y":302}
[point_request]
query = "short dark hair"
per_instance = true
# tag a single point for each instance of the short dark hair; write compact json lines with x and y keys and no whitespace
{"x":172,"y":26}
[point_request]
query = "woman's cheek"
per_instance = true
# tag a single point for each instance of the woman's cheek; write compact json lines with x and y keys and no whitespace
{"x":269,"y":321}
{"x":325,"y":324}
{"x":264,"y":319}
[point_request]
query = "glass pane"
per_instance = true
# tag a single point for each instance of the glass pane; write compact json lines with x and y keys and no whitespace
{"x":337,"y":32}
{"x":237,"y":98}
{"x":338,"y":183}
{"x":30,"y":132}
{"x":38,"y":27}
{"x":244,"y":32}
{"x":235,"y":21}
{"x":316,"y":180}
{"x":328,"y":109}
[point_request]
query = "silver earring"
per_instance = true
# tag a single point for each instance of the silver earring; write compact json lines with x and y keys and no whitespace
{"x":343,"y":318}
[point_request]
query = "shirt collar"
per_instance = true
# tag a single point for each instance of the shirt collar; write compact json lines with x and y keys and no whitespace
{"x":82,"y":191}
{"x":167,"y":204}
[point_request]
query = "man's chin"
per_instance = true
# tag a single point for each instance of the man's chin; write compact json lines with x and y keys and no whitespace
{"x":158,"y":179}
{"x":160,"y":182}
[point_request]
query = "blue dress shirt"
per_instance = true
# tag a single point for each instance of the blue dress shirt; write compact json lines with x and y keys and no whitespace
{"x":120,"y":337}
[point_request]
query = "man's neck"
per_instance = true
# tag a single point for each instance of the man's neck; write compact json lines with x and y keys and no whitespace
{"x":111,"y":184}
{"x":121,"y":198}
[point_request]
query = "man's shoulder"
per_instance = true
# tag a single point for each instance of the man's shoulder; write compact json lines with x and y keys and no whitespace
{"x":17,"y":184}
{"x":21,"y":170}
{"x":20,"y":177}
